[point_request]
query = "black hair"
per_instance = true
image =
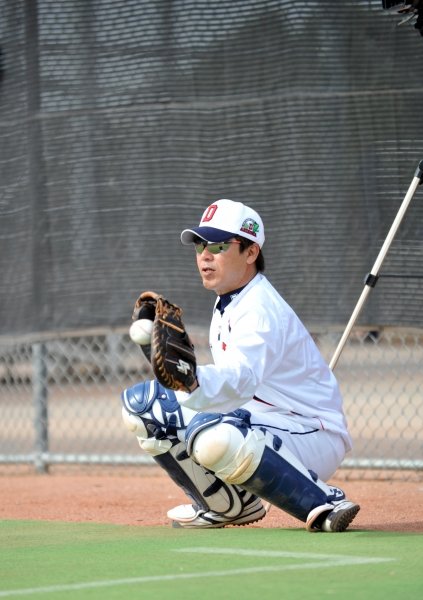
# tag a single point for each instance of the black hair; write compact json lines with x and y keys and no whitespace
{"x":245,"y":243}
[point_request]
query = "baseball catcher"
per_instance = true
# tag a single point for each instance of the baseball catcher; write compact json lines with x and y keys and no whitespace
{"x":263,"y":424}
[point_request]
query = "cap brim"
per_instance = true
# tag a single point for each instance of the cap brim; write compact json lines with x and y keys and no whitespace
{"x":208,"y":234}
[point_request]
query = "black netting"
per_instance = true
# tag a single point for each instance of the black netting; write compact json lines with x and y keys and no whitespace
{"x":121,"y":121}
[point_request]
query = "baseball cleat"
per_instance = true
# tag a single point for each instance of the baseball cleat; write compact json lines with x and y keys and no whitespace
{"x":340,"y":517}
{"x":335,"y":520}
{"x":191,"y":517}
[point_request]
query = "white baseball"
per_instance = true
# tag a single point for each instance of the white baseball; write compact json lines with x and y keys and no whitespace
{"x":140,"y":331}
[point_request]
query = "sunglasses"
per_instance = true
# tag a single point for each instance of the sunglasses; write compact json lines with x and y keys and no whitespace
{"x":213,"y":247}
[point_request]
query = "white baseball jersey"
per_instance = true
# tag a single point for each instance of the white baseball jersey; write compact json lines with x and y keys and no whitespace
{"x":264,"y":356}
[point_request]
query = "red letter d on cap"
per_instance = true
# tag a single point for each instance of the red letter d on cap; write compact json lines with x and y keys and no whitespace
{"x":209,"y":213}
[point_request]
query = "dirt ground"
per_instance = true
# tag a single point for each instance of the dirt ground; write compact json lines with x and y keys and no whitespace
{"x":142,"y":496}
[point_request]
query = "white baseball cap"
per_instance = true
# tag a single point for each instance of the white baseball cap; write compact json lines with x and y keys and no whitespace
{"x":224,"y":219}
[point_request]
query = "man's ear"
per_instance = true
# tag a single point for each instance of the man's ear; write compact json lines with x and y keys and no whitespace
{"x":253,"y":252}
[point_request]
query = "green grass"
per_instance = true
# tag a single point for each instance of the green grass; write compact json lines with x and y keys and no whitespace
{"x":89,"y":561}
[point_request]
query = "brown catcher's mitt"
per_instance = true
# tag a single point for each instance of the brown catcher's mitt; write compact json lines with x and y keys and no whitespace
{"x":172,"y":352}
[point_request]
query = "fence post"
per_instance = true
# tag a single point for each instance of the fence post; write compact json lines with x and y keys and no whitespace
{"x":40,"y":403}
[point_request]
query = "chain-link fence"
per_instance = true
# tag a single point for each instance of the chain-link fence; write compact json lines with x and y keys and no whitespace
{"x":60,"y":398}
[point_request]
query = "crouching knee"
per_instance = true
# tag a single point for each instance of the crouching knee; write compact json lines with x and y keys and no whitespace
{"x":226,"y":446}
{"x":148,"y":442}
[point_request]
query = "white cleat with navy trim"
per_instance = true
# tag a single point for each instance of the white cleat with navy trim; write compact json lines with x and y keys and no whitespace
{"x":191,"y":517}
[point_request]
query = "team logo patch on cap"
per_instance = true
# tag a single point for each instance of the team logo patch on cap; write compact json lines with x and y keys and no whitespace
{"x":250,"y":226}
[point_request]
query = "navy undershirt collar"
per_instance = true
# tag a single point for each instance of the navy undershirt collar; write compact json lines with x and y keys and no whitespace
{"x":226,"y":299}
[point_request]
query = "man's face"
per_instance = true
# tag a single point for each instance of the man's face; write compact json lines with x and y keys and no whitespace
{"x":228,"y":270}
